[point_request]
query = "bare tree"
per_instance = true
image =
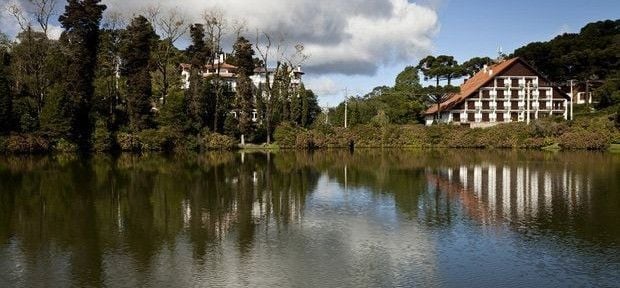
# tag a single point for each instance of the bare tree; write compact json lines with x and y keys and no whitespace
{"x":39,"y":11}
{"x":215,"y":29}
{"x":43,"y":11}
{"x":297,"y":57}
{"x":266,"y":47}
{"x":171,"y":25}
{"x":19,"y":14}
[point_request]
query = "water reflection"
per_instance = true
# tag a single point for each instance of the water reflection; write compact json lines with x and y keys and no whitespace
{"x":379,"y":218}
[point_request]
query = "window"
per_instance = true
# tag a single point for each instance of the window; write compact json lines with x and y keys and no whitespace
{"x":471,"y":117}
{"x":485,"y":117}
{"x":456,"y":117}
{"x":500,"y":117}
{"x":500,"y":94}
{"x":485,"y":93}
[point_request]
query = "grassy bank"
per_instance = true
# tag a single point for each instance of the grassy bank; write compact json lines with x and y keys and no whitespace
{"x":587,"y":132}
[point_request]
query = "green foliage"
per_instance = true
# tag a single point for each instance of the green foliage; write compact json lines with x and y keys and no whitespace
{"x":64,"y":146}
{"x":609,"y":93}
{"x":53,"y":116}
{"x":595,"y":51}
{"x":173,"y":113}
{"x":103,"y":139}
{"x":25,"y":113}
{"x":473,"y":65}
{"x":286,"y":135}
{"x":136,"y":54}
{"x":27,"y":143}
{"x":215,"y":141}
{"x":5,"y":99}
{"x":80,"y":39}
{"x":231,"y":126}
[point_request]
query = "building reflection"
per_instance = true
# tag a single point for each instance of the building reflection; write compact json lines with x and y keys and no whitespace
{"x":493,"y":192}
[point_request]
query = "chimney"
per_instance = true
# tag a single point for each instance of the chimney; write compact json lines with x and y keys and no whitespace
{"x":465,"y":80}
{"x":490,"y":72}
{"x":485,"y":68}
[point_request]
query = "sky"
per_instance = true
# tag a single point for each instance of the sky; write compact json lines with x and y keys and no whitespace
{"x":360,"y":44}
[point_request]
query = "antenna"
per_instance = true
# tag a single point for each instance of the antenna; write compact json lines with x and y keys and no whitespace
{"x":500,"y":54}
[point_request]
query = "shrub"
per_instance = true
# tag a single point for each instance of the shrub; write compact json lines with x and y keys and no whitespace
{"x":65,"y":146}
{"x":215,"y":141}
{"x":286,"y":135}
{"x":103,"y":140}
{"x":127,"y":142}
{"x":584,"y":139}
{"x":27,"y":143}
{"x":157,"y":140}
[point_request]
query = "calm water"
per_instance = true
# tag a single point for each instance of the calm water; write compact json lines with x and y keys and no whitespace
{"x":328,"y":219}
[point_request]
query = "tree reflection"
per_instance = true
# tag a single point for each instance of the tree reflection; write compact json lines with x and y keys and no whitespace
{"x":89,"y":209}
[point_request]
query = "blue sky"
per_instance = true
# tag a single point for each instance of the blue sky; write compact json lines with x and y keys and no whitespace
{"x":477,"y":28}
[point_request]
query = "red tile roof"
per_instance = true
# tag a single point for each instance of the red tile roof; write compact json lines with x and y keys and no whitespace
{"x":472,"y":85}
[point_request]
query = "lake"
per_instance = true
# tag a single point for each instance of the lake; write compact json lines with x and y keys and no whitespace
{"x":372,"y":218}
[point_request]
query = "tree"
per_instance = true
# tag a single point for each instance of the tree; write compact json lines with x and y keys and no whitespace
{"x":594,"y":50}
{"x":5,"y":90}
{"x":473,"y":65}
{"x":310,"y":109}
{"x":245,"y":68}
{"x":197,"y":94}
{"x":441,"y":67}
{"x":80,"y":38}
{"x":44,"y":10}
{"x":171,"y":25}
{"x":108,"y":85}
{"x":609,"y":93}
{"x":136,"y":55}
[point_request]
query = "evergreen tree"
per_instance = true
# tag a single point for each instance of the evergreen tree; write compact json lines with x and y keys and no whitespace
{"x":81,"y":23}
{"x":136,"y":52}
{"x":310,"y":109}
{"x":197,"y":94}
{"x":245,"y":68}
{"x":5,"y":93}
{"x":438,"y":68}
{"x":473,"y":65}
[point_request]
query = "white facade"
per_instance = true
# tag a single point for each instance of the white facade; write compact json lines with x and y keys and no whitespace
{"x":503,"y":103}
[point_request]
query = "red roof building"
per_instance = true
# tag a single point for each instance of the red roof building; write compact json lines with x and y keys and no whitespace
{"x":508,"y":91}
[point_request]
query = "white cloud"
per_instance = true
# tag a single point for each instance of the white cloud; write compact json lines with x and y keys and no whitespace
{"x":9,"y":25}
{"x":323,"y":85}
{"x":352,"y":37}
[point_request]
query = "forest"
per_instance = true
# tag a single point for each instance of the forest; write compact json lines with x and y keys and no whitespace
{"x":110,"y":83}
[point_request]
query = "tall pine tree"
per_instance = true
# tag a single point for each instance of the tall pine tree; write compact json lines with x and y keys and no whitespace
{"x":5,"y":93}
{"x":81,"y":23}
{"x":245,"y":69}
{"x":135,"y":54}
{"x":196,"y":94}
